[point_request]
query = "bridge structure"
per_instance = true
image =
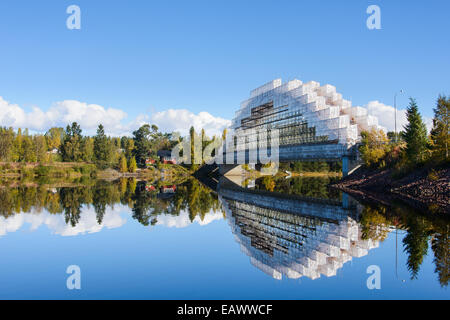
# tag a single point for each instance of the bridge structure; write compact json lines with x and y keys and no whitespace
{"x":312,"y":122}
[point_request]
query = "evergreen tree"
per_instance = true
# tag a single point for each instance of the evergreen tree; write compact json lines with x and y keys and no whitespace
{"x":123,"y":164}
{"x":18,"y":152}
{"x":415,"y":244}
{"x":440,"y":245}
{"x":6,"y":144}
{"x":142,"y":144}
{"x":71,"y":147}
{"x":102,"y":148}
{"x":415,"y":134}
{"x":440,"y":136}
{"x":133,"y":166}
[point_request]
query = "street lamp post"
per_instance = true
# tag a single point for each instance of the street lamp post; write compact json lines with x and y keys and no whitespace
{"x":395,"y":107}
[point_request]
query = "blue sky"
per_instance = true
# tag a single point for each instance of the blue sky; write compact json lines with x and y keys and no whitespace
{"x":144,"y":57}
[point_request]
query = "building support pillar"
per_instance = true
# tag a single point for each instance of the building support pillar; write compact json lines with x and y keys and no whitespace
{"x":345,"y":201}
{"x":345,"y":166}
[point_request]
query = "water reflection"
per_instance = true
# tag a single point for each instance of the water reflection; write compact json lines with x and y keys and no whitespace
{"x":295,"y":237}
{"x":288,"y":227}
{"x":315,"y":230}
{"x":78,"y":208}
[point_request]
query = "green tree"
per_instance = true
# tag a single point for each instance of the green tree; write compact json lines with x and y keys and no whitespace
{"x":40,"y":148}
{"x":415,"y":134}
{"x":102,"y":148}
{"x":129,"y":148}
{"x":142,"y":144}
{"x":6,"y":144}
{"x":28,"y":151}
{"x":441,"y":248}
{"x":440,"y":137}
{"x":133,"y":166}
{"x":71,"y":149}
{"x":415,"y":245}
{"x":123,"y":167}
{"x":17,"y":153}
{"x":88,"y":149}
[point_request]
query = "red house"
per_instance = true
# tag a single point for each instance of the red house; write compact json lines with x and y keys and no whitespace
{"x":169,"y":189}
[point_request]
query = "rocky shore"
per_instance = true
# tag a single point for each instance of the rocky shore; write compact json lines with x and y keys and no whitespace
{"x":424,"y":189}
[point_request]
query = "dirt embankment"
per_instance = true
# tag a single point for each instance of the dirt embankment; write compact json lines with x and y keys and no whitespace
{"x":424,"y":189}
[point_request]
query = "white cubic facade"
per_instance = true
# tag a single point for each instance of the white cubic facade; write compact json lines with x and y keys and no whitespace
{"x":303,"y":113}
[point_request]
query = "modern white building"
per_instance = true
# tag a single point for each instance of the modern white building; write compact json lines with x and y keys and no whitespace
{"x":303,"y":114}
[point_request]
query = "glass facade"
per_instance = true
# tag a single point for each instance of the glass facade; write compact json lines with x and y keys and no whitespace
{"x":302,"y":113}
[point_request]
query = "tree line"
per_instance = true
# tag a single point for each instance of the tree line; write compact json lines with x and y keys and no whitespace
{"x":413,"y":146}
{"x":70,"y":145}
{"x":146,"y":207}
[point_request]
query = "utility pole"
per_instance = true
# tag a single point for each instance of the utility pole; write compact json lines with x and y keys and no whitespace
{"x":395,"y":107}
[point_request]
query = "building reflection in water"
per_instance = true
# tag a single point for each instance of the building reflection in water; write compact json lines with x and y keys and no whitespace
{"x":292,"y":237}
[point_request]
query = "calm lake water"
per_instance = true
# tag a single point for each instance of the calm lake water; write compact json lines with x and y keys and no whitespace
{"x":265,"y":239}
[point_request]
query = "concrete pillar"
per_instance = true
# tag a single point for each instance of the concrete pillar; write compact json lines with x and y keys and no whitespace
{"x":345,"y":166}
{"x":345,"y":201}
{"x":349,"y":165}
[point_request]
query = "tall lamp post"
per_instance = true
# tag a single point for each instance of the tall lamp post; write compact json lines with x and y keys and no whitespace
{"x":395,"y":107}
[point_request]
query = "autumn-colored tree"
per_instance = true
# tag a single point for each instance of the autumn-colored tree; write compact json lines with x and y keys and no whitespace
{"x":123,"y":167}
{"x":132,"y":166}
{"x":40,"y":148}
{"x":374,"y":147}
{"x":440,"y":137}
{"x":54,"y":137}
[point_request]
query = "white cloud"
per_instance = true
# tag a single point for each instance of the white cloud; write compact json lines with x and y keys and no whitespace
{"x":56,"y":222}
{"x":88,"y":221}
{"x":181,"y":120}
{"x":386,"y":116}
{"x":89,"y":116}
{"x":183,"y":221}
{"x":60,"y":114}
